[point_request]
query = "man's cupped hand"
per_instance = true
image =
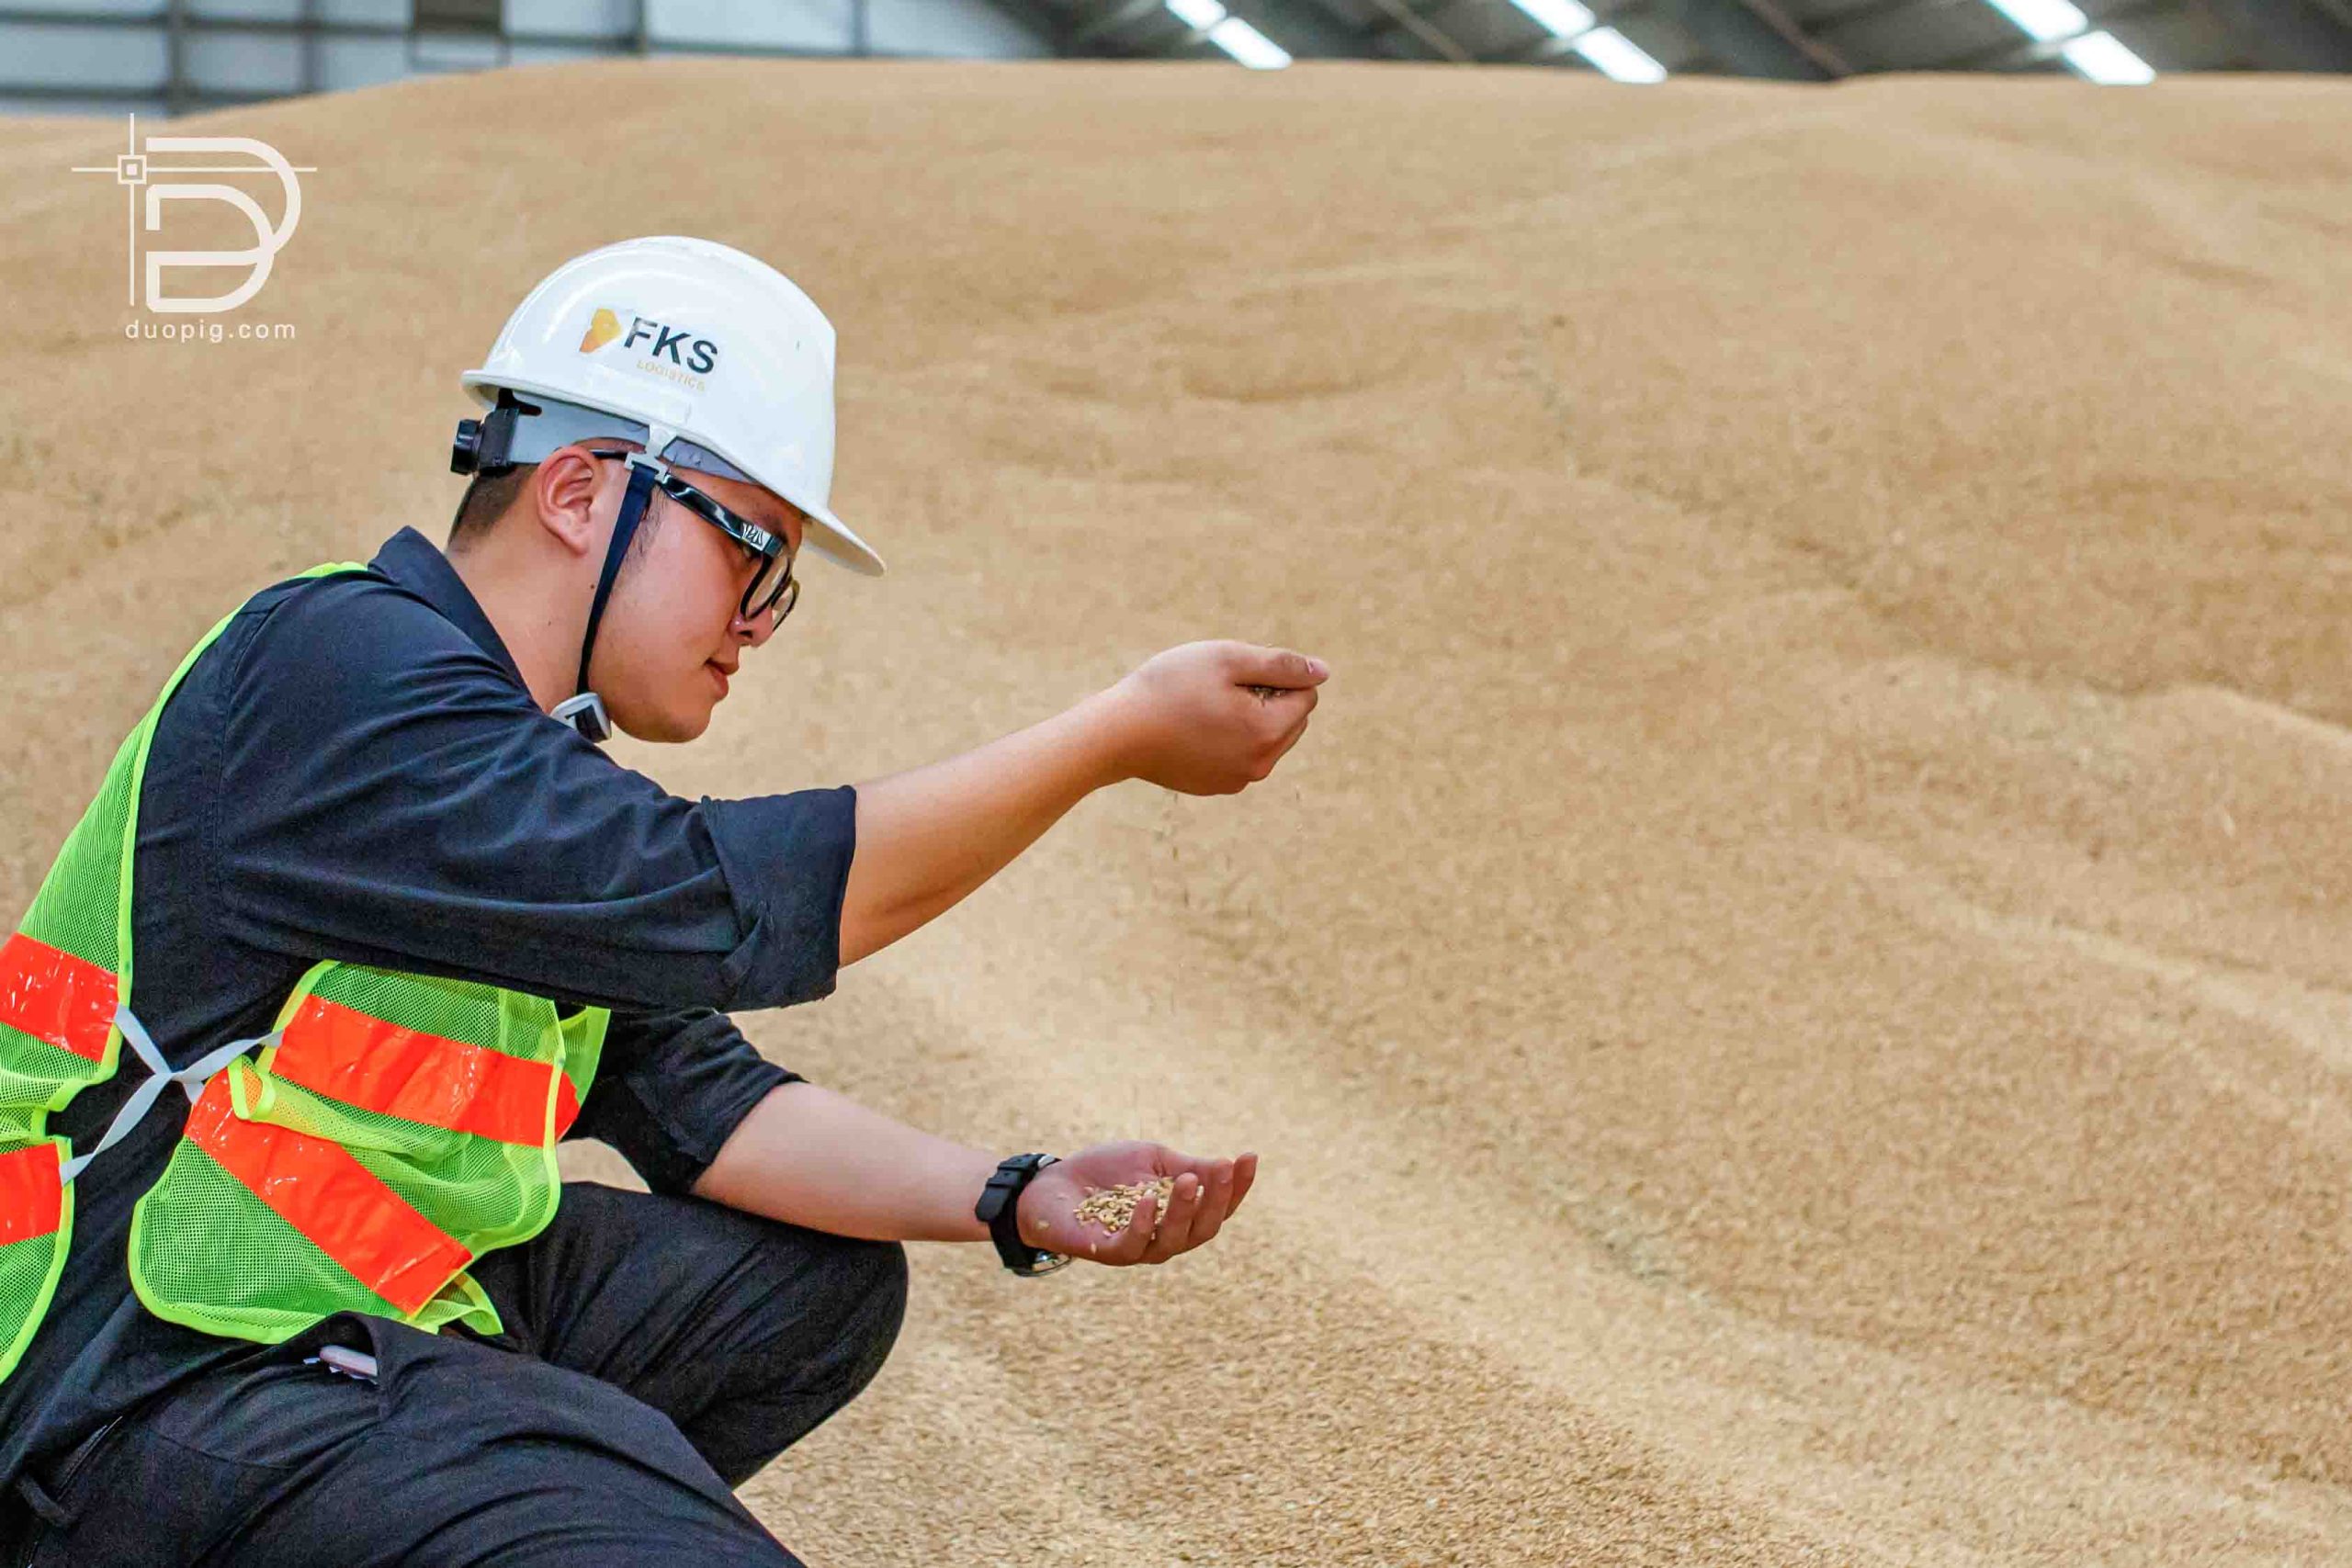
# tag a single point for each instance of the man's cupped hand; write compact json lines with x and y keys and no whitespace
{"x":1212,"y":717}
{"x":1205,"y":1194}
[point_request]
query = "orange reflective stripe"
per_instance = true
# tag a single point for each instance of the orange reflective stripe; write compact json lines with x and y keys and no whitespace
{"x":53,"y":996}
{"x":567,"y":1104}
{"x":332,"y":1050}
{"x":32,"y":1204}
{"x":340,"y":1205}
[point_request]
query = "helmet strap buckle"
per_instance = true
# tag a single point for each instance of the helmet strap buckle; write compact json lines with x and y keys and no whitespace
{"x":586,"y":714}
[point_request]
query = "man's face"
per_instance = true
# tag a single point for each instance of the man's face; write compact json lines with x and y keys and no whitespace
{"x":671,"y":641}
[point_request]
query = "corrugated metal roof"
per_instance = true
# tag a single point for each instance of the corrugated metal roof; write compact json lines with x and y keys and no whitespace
{"x":1815,"y":38}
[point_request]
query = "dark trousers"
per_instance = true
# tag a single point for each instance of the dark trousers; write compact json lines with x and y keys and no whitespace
{"x":658,"y":1352}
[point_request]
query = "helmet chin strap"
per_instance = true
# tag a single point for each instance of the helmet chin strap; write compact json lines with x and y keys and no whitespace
{"x":585,"y":711}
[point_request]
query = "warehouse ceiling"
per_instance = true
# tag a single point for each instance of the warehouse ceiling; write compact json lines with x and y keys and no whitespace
{"x":2120,"y":40}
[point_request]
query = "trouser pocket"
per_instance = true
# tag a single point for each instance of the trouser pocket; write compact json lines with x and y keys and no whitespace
{"x":49,"y":1497}
{"x":170,"y":1482}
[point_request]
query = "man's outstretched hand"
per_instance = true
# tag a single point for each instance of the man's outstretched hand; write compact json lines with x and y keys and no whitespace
{"x":1205,"y":1194}
{"x":1213,"y":717}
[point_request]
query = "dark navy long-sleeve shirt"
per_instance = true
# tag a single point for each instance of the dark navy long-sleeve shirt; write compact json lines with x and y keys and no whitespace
{"x":354,"y":770}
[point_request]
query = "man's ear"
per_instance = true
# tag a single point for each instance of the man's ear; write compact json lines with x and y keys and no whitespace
{"x":563,"y":495}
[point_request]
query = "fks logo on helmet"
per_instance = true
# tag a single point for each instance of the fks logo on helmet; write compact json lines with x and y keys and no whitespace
{"x":602,"y":330}
{"x":698,"y":353}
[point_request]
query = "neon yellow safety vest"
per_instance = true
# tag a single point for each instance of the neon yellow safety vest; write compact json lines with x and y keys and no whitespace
{"x":390,"y":1128}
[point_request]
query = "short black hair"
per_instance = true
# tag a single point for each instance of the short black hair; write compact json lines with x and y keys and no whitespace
{"x":490,"y":496}
{"x":486,"y":501}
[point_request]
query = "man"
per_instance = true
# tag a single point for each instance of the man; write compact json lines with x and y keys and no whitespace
{"x":389,"y":773}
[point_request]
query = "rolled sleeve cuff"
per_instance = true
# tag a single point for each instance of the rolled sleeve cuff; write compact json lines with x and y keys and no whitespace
{"x":787,"y":860}
{"x":670,"y":1152}
{"x":672,"y":1089}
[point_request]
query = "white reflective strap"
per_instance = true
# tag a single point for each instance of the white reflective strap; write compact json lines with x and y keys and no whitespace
{"x":135,"y":1033}
{"x":194,"y":1077}
{"x":191,"y":1079}
{"x":142,"y":1100}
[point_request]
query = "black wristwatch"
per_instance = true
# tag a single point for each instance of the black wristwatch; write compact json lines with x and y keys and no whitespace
{"x":999,"y":1210}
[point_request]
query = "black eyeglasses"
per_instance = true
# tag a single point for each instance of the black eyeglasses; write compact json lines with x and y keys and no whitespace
{"x":773,"y":586}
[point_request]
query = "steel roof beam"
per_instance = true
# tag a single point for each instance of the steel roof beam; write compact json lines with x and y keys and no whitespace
{"x":2276,"y":34}
{"x":1306,"y":30}
{"x":2027,"y":54}
{"x":1406,"y":15}
{"x":2292,"y":35}
{"x":1734,"y":32}
{"x":1826,"y":60}
{"x":1757,"y":38}
{"x":1106,"y":20}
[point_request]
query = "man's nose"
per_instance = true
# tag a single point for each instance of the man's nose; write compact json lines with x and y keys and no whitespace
{"x":758,"y":630}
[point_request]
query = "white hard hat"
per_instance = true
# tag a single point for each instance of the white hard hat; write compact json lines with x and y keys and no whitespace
{"x":721,"y":359}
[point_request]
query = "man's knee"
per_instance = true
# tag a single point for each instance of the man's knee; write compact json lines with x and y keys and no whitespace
{"x":880,"y":1272}
{"x":866,"y":1290}
{"x":838,"y":1302}
{"x":830,"y":1312}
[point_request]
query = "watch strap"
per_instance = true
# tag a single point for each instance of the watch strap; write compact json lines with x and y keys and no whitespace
{"x":999,"y":1210}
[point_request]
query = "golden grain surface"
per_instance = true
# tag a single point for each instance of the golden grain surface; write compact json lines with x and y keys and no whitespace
{"x":1796,"y":1002}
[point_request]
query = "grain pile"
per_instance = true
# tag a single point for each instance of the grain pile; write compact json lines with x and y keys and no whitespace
{"x":1796,"y":1002}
